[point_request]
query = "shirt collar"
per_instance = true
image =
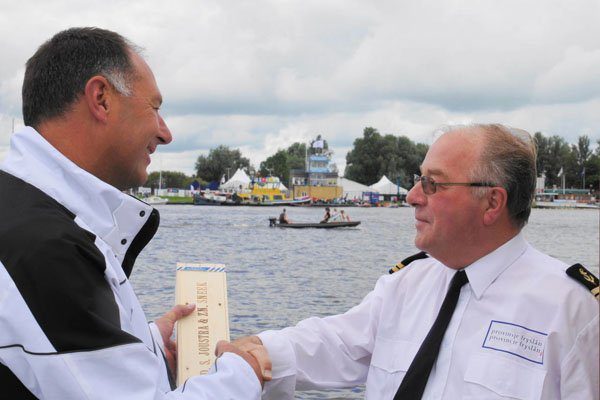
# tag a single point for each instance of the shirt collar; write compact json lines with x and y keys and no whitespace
{"x":110,"y":214}
{"x":484,"y":271}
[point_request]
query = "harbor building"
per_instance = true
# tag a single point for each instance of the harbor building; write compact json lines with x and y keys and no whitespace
{"x":319,"y":178}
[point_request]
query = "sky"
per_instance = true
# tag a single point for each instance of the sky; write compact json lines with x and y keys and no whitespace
{"x":260,"y":75}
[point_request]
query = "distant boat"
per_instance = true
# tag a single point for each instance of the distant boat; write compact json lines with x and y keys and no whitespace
{"x":324,"y":225}
{"x":209,"y":198}
{"x":268,"y":191}
{"x":283,"y":202}
{"x":154,"y":200}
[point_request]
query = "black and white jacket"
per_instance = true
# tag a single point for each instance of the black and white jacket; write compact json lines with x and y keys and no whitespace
{"x":71,"y":326}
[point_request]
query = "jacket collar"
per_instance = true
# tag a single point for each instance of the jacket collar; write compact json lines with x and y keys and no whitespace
{"x":113,"y":216}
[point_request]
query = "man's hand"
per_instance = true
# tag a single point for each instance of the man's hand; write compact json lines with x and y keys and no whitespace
{"x":253,"y":352}
{"x":165,"y":325}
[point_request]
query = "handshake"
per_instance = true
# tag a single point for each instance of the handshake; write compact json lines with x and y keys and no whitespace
{"x":251,"y":349}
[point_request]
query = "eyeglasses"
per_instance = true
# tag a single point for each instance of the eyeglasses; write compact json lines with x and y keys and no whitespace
{"x":429,"y":185}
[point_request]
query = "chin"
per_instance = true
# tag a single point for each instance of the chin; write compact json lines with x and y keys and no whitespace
{"x":421,"y":243}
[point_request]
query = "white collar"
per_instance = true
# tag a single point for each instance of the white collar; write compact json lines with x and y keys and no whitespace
{"x":486,"y":270}
{"x":110,"y":214}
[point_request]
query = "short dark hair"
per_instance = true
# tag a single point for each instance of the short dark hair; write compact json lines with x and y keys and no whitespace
{"x":56,"y":75}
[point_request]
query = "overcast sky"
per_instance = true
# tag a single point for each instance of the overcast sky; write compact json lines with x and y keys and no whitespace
{"x":259,"y":75}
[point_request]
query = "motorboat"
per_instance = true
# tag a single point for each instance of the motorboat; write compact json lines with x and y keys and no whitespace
{"x":154,"y":200}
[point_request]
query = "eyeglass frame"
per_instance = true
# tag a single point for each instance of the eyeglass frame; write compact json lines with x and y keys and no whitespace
{"x":429,"y":185}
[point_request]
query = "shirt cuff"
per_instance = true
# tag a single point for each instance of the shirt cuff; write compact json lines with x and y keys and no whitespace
{"x":236,"y":364}
{"x":156,"y":336}
{"x":281,"y":353}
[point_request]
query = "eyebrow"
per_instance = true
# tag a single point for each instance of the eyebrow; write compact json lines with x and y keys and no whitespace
{"x":436,"y":172}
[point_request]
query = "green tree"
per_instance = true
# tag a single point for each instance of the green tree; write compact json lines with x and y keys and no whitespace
{"x":362,"y":162}
{"x":556,"y":156}
{"x":280,"y":163}
{"x":169,"y":179}
{"x":583,"y":149}
{"x":543,"y":153}
{"x":219,"y":162}
{"x":374,"y":155}
{"x":592,"y":171}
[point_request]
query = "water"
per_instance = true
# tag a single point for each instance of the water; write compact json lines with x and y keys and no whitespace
{"x":276,"y":277}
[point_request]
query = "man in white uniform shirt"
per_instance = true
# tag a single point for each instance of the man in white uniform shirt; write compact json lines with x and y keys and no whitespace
{"x":521,"y":328}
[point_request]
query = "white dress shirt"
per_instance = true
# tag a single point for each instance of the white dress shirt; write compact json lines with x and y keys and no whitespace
{"x":521,"y":329}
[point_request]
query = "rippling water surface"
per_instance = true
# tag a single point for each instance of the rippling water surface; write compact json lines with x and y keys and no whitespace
{"x":276,"y":277}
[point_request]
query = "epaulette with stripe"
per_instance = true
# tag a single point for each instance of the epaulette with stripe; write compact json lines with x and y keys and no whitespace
{"x":420,"y":255}
{"x":585,"y":277}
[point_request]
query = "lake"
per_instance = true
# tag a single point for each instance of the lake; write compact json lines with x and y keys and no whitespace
{"x":276,"y":277}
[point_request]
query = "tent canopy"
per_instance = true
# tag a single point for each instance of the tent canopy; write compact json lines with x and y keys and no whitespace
{"x":240,"y":178}
{"x":353,"y":189}
{"x":385,"y":186}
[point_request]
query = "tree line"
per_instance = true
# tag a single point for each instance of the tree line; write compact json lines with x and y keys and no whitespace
{"x":397,"y":157}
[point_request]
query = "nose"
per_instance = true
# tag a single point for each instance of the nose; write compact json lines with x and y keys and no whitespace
{"x":416,"y":196}
{"x":164,"y":133}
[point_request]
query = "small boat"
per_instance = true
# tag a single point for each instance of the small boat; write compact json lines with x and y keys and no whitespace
{"x":321,"y":225}
{"x":210,"y":198}
{"x":154,"y":200}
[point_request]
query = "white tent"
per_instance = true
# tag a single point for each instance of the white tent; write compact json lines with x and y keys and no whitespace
{"x":353,"y":190}
{"x":240,"y":178}
{"x":385,"y":186}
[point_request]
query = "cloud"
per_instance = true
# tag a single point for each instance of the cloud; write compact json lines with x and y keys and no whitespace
{"x":261,"y":75}
{"x":575,"y":78}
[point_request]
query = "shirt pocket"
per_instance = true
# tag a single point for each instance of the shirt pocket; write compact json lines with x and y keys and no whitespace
{"x":389,"y":362}
{"x":490,"y":377}
{"x":393,"y":355}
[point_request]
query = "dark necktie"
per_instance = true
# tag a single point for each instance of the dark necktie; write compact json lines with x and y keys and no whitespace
{"x":413,"y":384}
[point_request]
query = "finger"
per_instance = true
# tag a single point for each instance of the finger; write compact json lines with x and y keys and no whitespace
{"x":247,"y":339}
{"x":179,"y":311}
{"x":171,"y":346}
{"x":261,"y":355}
{"x":222,"y":347}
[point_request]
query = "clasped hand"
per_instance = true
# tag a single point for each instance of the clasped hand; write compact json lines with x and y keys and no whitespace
{"x":250,"y":348}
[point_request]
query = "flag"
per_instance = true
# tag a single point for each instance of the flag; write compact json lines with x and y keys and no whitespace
{"x":560,"y":172}
{"x":583,"y":172}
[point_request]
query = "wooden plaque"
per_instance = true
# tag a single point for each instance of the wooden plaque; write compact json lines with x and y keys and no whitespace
{"x":197,"y":334}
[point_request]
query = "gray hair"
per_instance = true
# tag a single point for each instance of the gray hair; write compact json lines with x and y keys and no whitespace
{"x":508,"y":159}
{"x":56,"y":75}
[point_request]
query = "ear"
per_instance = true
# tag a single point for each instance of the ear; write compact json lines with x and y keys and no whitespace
{"x":98,"y":95}
{"x":496,"y":205}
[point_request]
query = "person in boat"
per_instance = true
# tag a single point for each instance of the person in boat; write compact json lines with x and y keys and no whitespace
{"x":344,"y":216}
{"x":335,"y":216}
{"x":327,"y":216}
{"x":72,"y":327}
{"x":478,"y":313}
{"x":283,"y":219}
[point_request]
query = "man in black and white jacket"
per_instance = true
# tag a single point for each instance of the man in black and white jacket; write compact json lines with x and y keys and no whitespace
{"x":71,"y":325}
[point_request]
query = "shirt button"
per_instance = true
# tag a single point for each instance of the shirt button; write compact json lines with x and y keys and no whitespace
{"x":123,"y":241}
{"x":142,"y":213}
